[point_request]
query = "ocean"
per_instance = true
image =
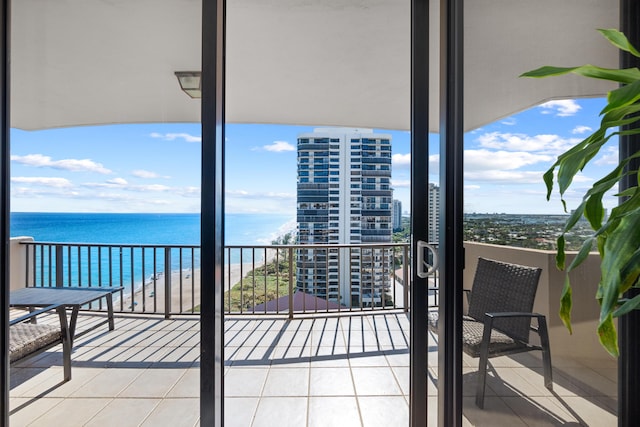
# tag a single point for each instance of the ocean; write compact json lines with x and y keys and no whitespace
{"x":140,"y":229}
{"x":159,"y":229}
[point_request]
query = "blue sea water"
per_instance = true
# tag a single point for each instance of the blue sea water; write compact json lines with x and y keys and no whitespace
{"x":160,"y":229}
{"x":137,"y":229}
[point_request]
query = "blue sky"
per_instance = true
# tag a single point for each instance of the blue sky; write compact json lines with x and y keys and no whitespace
{"x":156,"y":167}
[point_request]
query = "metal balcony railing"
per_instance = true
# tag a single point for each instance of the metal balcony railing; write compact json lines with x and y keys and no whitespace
{"x":165,"y":279}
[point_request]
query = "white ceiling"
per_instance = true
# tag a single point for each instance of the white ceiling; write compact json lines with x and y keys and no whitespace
{"x":329,"y":62}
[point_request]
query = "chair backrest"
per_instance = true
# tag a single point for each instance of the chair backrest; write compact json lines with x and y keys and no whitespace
{"x":504,"y":287}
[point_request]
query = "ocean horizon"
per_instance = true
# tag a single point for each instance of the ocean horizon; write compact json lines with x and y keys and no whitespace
{"x":144,"y":229}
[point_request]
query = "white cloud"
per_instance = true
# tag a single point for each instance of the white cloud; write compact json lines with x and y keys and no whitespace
{"x":279,"y":146}
{"x":189,"y":192}
{"x":401,"y":160}
{"x":173,"y":136}
{"x":259,"y":195}
{"x":72,"y":165}
{"x":561,"y":107}
{"x":471,"y":187}
{"x":45,"y":181}
{"x":548,"y":144}
{"x":485,"y":160}
{"x":578,"y":130}
{"x":141,"y":173}
{"x":611,"y":156}
{"x":401,"y":183}
{"x":505,"y":176}
{"x":117,"y":181}
{"x":404,"y":161}
{"x":510,"y":121}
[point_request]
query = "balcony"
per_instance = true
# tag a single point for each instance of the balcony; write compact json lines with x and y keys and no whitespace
{"x":347,"y":367}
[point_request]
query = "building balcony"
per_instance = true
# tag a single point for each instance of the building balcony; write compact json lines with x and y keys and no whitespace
{"x":320,"y":367}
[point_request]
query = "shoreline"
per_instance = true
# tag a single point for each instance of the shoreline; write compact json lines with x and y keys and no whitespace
{"x":151,"y":296}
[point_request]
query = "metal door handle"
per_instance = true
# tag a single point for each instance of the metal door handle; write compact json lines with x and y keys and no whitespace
{"x":422,"y":264}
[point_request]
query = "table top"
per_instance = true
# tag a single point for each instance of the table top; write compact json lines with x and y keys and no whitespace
{"x":40,"y":296}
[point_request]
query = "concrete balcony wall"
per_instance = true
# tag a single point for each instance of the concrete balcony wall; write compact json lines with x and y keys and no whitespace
{"x":18,"y":262}
{"x":583,"y":343}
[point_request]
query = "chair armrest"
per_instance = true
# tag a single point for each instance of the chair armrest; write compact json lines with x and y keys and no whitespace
{"x":514,"y":314}
{"x":467,"y":292}
{"x":540,"y":317}
{"x":35,"y":313}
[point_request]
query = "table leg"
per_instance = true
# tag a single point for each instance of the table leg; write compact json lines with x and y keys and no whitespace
{"x":110,"y":311}
{"x":72,"y":322}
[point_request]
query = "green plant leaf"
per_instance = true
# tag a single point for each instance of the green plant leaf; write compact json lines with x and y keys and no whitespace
{"x":618,"y":236}
{"x":619,"y":249}
{"x":565,"y":304}
{"x":625,"y":76}
{"x":623,"y":96}
{"x":627,"y":306}
{"x":587,"y":245}
{"x":608,"y":336}
{"x":560,"y":254}
{"x":619,"y":40}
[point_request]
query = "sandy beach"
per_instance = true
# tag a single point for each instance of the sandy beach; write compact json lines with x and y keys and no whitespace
{"x":185,"y":288}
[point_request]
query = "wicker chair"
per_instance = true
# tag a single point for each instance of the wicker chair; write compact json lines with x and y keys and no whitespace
{"x":499,"y":317}
{"x":28,"y":339}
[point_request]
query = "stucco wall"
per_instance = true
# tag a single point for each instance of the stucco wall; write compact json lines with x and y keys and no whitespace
{"x":18,"y":262}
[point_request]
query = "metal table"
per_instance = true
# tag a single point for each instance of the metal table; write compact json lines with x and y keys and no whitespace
{"x":73,"y":298}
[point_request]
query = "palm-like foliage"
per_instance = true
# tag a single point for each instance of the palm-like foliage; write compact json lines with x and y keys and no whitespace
{"x":618,"y":237}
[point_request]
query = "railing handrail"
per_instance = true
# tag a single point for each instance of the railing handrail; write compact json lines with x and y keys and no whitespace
{"x":146,"y":270}
{"x":110,"y":245}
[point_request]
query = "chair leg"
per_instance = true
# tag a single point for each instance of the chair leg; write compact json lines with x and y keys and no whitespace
{"x":546,"y":352}
{"x":484,"y":359}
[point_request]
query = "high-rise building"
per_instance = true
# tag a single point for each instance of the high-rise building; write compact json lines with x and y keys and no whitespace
{"x":344,"y":196}
{"x":397,"y":215}
{"x":434,"y":213}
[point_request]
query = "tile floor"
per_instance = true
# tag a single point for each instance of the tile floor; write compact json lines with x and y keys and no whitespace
{"x":324,"y":371}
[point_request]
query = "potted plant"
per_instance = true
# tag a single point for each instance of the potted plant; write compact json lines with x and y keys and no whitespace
{"x":617,"y":237}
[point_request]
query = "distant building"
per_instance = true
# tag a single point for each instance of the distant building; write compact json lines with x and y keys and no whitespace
{"x":344,"y":196}
{"x":397,"y":215}
{"x":434,"y":213}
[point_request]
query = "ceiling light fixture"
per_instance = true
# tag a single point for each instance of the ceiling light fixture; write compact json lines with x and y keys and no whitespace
{"x":190,"y":83}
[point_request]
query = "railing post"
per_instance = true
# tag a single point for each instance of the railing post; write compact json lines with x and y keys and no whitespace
{"x":290,"y":283}
{"x":59,"y":270}
{"x":167,"y":283}
{"x":405,"y":278}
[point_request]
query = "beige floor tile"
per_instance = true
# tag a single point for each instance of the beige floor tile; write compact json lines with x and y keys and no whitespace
{"x":495,"y":413}
{"x":124,"y":413}
{"x":375,"y":382}
{"x":287,"y":382}
{"x":591,"y":413}
{"x":188,"y":385}
{"x":402,"y":375}
{"x":72,"y":412}
{"x":333,"y":412}
{"x":539,"y":411}
{"x":239,"y":411}
{"x":384,"y":411}
{"x":331,"y":382}
{"x":25,"y":378}
{"x":54,"y":387}
{"x":24,"y":410}
{"x":153,"y":383}
{"x":107,"y":383}
{"x":174,"y":413}
{"x":329,"y":357}
{"x":281,"y":412}
{"x":245,"y":382}
{"x":376,"y":358}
